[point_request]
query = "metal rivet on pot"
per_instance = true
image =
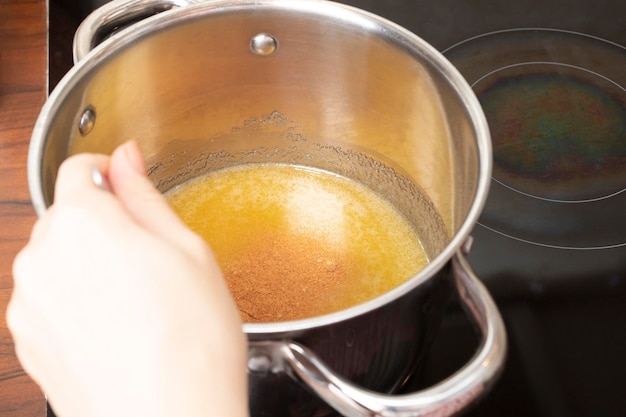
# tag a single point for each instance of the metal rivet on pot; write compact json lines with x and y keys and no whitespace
{"x":263,"y":44}
{"x":260,"y":363}
{"x":87,"y":121}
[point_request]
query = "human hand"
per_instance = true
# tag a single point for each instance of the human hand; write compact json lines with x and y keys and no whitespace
{"x":118,"y":309}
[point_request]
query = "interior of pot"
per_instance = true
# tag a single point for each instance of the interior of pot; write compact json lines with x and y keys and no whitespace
{"x":335,"y":91}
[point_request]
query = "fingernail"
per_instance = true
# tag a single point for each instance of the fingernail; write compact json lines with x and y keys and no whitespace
{"x":133,"y":157}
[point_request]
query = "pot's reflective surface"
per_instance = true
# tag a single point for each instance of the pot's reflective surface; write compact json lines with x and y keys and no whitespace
{"x":217,"y":84}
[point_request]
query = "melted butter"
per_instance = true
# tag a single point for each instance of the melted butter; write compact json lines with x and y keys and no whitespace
{"x":295,"y":242}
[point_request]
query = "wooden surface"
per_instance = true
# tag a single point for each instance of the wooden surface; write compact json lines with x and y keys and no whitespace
{"x":23,"y":51}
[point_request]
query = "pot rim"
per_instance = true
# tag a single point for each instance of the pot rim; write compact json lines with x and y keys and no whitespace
{"x":394,"y":33}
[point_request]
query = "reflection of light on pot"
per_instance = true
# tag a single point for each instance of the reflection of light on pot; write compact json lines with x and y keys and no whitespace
{"x":558,"y":131}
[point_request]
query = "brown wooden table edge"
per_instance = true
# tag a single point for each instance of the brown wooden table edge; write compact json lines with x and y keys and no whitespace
{"x":23,"y":89}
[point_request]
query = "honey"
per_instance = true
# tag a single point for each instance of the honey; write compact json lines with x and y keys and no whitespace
{"x":295,"y":242}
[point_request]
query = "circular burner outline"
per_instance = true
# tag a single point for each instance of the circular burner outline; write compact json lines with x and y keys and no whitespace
{"x":554,"y":203}
{"x":547,"y":245}
{"x":532,"y":29}
{"x":554,"y":200}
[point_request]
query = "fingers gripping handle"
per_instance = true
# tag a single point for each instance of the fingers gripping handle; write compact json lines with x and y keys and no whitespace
{"x":444,"y":399}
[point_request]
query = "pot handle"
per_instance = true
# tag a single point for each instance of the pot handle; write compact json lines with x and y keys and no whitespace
{"x":443,"y":399}
{"x":114,"y":16}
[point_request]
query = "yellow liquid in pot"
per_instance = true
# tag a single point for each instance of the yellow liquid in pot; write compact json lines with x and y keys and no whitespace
{"x":295,"y":242}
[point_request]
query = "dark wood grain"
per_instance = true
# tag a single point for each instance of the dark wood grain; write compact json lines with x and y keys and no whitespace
{"x":23,"y":51}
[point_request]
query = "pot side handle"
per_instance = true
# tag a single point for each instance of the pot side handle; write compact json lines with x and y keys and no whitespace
{"x":114,"y":16}
{"x":443,"y":399}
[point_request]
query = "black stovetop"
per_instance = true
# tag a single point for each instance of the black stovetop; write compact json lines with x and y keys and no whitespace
{"x":555,"y":259}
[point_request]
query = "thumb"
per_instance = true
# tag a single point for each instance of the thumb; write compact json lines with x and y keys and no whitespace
{"x":145,"y":204}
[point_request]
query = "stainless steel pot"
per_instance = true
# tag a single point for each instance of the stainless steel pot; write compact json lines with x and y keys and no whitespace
{"x":307,"y":82}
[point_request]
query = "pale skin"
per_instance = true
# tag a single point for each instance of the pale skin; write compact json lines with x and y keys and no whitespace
{"x":118,"y":309}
